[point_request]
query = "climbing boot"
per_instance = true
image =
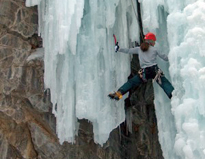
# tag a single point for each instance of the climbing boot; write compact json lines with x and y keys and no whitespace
{"x":117,"y":95}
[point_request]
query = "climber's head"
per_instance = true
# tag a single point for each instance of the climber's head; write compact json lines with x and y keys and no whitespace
{"x":150,"y":38}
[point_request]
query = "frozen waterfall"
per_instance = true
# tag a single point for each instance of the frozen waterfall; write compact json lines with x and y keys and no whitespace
{"x":81,"y":67}
{"x":180,"y":28}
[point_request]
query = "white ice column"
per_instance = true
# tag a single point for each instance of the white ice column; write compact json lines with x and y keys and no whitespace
{"x":81,"y":67}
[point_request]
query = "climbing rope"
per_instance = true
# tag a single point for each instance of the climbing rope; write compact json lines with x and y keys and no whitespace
{"x":137,"y":18}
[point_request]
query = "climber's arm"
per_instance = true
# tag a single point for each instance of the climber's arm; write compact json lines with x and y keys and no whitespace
{"x":162,"y":56}
{"x":134,"y":50}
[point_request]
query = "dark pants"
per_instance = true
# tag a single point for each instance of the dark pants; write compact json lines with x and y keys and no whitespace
{"x":150,"y":73}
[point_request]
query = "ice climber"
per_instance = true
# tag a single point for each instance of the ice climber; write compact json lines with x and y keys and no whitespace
{"x":149,"y":70}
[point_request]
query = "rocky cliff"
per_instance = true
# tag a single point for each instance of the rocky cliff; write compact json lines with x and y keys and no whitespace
{"x":27,"y":126}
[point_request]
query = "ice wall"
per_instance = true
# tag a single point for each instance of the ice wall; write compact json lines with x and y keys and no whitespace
{"x":180,"y":30}
{"x":186,"y":28}
{"x":81,"y":67}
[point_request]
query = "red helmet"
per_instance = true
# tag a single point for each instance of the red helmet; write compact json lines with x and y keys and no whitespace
{"x":150,"y":36}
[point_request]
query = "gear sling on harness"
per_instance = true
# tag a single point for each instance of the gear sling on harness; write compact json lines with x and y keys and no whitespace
{"x":144,"y":74}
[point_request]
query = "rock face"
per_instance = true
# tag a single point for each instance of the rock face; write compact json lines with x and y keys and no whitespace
{"x":143,"y":142}
{"x":27,"y":126}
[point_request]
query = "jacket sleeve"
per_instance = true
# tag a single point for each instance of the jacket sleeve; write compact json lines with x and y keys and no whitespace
{"x":162,"y":56}
{"x":134,"y":50}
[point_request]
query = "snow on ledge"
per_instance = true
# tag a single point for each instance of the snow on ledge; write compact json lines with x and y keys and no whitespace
{"x":37,"y":54}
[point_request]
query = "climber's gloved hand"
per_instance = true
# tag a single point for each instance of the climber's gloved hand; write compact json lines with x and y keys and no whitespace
{"x":117,"y":47}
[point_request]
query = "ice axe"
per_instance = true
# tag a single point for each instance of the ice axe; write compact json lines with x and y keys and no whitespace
{"x":116,"y":43}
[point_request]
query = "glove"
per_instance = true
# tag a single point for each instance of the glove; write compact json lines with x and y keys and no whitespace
{"x":116,"y":47}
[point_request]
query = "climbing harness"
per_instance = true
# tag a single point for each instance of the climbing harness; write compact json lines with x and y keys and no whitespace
{"x":142,"y":75}
{"x":158,"y":76}
{"x":151,"y":72}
